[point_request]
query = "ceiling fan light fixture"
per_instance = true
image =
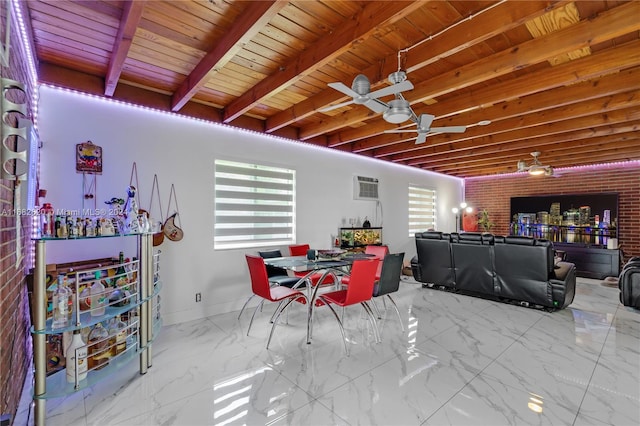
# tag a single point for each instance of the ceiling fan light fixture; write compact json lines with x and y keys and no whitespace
{"x":398,"y":111}
{"x":536,"y":170}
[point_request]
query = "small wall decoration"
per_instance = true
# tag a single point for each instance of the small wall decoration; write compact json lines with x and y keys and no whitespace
{"x":88,"y":158}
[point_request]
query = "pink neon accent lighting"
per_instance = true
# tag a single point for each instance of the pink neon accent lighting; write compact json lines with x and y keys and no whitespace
{"x":246,"y":131}
{"x":616,"y":164}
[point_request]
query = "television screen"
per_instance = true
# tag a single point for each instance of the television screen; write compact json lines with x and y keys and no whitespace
{"x":586,"y":218}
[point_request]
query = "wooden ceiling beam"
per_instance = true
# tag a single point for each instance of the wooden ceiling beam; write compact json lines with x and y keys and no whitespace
{"x":587,"y":68}
{"x":582,"y":127}
{"x":371,"y":17}
{"x":549,"y":152}
{"x":606,"y":85}
{"x":618,"y":153}
{"x":524,"y":123}
{"x":131,"y":15}
{"x":474,"y":31}
{"x":255,"y":16}
{"x":606,"y":26}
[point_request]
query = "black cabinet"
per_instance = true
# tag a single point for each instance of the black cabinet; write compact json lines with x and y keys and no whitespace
{"x":592,"y":262}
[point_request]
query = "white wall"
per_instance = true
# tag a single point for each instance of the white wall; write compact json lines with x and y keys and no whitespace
{"x":182,"y":152}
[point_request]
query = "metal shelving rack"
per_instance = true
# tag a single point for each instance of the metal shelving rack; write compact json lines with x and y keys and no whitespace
{"x":148,"y":326}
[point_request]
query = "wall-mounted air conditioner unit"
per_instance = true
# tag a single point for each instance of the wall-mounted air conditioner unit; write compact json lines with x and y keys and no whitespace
{"x":365,"y":188}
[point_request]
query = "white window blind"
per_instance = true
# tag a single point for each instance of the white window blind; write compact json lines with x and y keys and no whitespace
{"x":422,"y":209}
{"x":254,"y":205}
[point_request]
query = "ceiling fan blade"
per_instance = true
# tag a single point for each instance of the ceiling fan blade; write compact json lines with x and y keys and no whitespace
{"x":400,"y":131}
{"x":376,"y":106}
{"x":425,"y":120}
{"x":449,"y":129}
{"x":341,"y":87}
{"x":422,"y":137}
{"x":336,"y":106}
{"x":392,"y":90}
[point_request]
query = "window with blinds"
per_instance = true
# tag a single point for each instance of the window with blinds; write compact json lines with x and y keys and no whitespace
{"x":422,"y":209}
{"x":254,"y":205}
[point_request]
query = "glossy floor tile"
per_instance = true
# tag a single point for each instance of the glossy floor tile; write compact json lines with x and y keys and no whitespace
{"x":459,"y":361}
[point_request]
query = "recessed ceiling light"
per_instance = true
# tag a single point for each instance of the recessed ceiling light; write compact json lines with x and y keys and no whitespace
{"x":484,"y":122}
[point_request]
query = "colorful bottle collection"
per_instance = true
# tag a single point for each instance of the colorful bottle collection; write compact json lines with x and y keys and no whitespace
{"x":92,"y":348}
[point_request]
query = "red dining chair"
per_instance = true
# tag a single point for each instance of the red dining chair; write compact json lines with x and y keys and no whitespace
{"x":359,"y":291}
{"x":261,"y":287}
{"x":379,"y":252}
{"x":277,"y":276}
{"x":301,"y":250}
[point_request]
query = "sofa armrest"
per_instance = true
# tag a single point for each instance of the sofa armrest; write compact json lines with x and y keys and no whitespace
{"x":561,"y":270}
{"x":563,"y":285}
{"x":415,"y":269}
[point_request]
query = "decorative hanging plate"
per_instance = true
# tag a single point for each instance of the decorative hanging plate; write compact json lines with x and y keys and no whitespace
{"x":88,"y":158}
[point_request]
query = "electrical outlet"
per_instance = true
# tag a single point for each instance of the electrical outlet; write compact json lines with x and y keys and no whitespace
{"x":198,"y":297}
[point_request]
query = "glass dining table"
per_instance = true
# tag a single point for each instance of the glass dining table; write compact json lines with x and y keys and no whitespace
{"x":333,"y":266}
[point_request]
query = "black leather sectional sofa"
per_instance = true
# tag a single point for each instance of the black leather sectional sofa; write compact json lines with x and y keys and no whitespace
{"x":629,"y":283}
{"x":511,"y":269}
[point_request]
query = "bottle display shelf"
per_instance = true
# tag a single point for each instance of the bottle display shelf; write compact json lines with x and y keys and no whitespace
{"x":110,"y":341}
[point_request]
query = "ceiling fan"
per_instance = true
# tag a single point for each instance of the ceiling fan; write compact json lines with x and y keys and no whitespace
{"x":424,"y":127}
{"x":535,"y":168}
{"x":361,"y":94}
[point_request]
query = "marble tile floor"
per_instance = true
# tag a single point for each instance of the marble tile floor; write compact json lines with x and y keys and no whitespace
{"x":461,"y":361}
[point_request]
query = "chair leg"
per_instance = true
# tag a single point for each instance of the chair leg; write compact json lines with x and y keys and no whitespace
{"x":276,"y":315}
{"x":276,"y":311}
{"x":397,"y":311}
{"x":344,"y":337}
{"x":254,"y":315}
{"x":375,"y":308}
{"x":245,"y":305}
{"x":372,"y":319}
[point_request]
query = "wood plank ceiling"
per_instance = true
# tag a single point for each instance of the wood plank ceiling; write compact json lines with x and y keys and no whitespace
{"x":558,"y":77}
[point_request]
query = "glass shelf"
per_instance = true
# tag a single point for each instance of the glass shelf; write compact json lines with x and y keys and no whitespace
{"x":86,"y":320}
{"x":97,"y":237}
{"x":57,"y":386}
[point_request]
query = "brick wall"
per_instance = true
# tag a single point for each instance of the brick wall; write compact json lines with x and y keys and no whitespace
{"x":494,"y":194}
{"x":15,"y":341}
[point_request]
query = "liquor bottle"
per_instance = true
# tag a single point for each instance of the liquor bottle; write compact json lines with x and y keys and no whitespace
{"x":68,"y":220}
{"x":98,"y":347}
{"x":62,"y":300}
{"x":121,"y":273}
{"x":89,"y":228}
{"x":57,"y":224}
{"x":80,"y":227}
{"x":98,"y":297}
{"x":47,"y":220}
{"x":117,"y":336}
{"x":76,"y":351}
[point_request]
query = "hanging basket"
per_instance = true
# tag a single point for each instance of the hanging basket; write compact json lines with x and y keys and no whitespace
{"x":158,"y":235}
{"x":173,"y":230}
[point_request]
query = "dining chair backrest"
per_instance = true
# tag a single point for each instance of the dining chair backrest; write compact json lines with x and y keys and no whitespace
{"x":259,"y":279}
{"x":272,"y":271}
{"x":389,"y":281}
{"x":363,"y":277}
{"x":379,"y":251}
{"x":298,"y":249}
